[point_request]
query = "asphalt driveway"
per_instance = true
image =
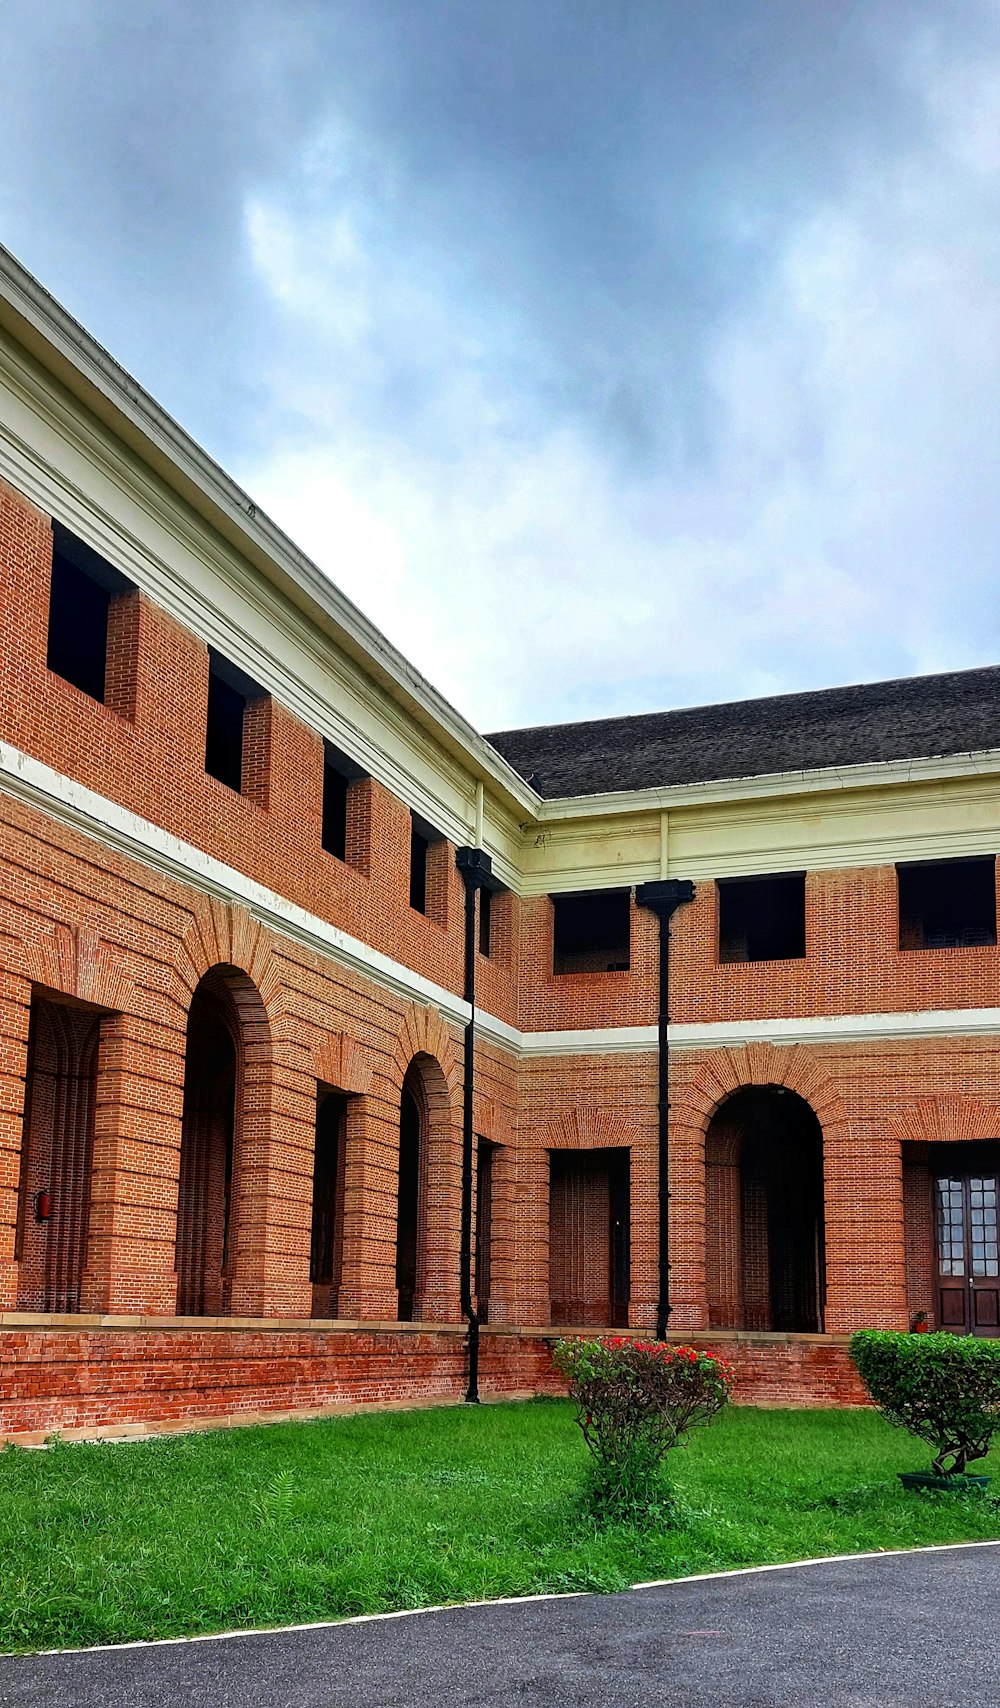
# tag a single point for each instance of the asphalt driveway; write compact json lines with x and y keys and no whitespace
{"x":917,"y":1630}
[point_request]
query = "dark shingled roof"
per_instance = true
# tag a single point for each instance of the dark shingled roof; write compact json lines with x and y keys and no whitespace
{"x":915,"y":717}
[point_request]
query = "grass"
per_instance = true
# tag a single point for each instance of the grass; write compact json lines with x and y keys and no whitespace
{"x":294,"y":1522}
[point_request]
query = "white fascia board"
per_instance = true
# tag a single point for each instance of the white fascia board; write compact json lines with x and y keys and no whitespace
{"x":87,"y":370}
{"x":881,"y":774}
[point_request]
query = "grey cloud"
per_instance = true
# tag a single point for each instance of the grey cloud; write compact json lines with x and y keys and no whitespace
{"x":666,"y":329}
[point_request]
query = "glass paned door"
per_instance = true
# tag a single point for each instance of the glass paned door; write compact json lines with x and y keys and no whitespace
{"x":968,"y":1253}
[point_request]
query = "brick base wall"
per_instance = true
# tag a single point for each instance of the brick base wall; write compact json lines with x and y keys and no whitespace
{"x":103,"y":1377}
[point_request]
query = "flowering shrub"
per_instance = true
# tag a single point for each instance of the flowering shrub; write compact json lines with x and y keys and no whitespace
{"x":635,"y":1399}
{"x":943,"y":1388}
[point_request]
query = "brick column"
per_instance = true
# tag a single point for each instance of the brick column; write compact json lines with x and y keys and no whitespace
{"x":438,"y":1298}
{"x":15,"y":1011}
{"x":522,"y":1252}
{"x":644,"y":1273}
{"x":865,"y":1228}
{"x":131,"y":1248}
{"x":371,"y":1204}
{"x":275,"y":1150}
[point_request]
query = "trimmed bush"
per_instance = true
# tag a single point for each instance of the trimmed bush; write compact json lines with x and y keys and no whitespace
{"x":635,"y":1400}
{"x":943,"y":1388}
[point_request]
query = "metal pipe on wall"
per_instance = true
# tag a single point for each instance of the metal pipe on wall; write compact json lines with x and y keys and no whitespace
{"x":476,"y":869}
{"x":663,"y":898}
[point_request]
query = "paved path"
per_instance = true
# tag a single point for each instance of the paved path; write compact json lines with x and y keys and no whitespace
{"x":907,"y":1631}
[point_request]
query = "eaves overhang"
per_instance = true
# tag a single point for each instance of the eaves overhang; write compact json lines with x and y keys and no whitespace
{"x":773,"y":786}
{"x":78,"y":363}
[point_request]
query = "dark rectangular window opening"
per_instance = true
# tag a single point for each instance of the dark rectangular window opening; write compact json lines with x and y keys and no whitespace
{"x":229,"y":692}
{"x":762,"y":919}
{"x":947,"y":904}
{"x":339,"y":772}
{"x":422,"y":835}
{"x":83,"y":587}
{"x":592,"y":932}
{"x":485,"y":920}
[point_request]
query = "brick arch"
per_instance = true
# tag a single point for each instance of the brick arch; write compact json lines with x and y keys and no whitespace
{"x":585,"y":1129}
{"x":77,"y":962}
{"x":945,"y":1119}
{"x":236,"y":1007}
{"x":717,"y":1077}
{"x":222,"y":935}
{"x":424,"y":1063}
{"x":339,"y":1060}
{"x":423,"y":1033}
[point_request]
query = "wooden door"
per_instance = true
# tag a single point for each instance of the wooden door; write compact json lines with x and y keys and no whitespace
{"x":968,"y":1253}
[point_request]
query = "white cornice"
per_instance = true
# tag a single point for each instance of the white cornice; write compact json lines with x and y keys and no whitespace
{"x":777,"y":785}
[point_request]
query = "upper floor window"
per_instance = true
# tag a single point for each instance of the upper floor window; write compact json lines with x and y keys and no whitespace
{"x":762,"y":919}
{"x":592,"y":932}
{"x":84,"y":586}
{"x":947,"y":904}
{"x":485,"y":919}
{"x":428,"y":870}
{"x":232,"y":697}
{"x":340,"y":774}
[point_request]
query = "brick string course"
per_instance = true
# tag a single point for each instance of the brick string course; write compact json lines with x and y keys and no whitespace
{"x":83,"y":924}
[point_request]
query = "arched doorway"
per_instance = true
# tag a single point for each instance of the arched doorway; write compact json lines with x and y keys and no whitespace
{"x":765,"y":1265}
{"x":411,"y":1205}
{"x":57,"y":1153}
{"x":209,"y":1170}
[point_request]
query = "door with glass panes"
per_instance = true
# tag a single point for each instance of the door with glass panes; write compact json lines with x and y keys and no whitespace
{"x":968,"y":1258}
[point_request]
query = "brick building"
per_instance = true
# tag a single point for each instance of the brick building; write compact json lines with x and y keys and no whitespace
{"x":253,"y":1127}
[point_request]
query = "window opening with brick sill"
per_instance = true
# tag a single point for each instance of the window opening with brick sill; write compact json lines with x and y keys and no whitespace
{"x":427,"y":881}
{"x":340,"y":804}
{"x":233,"y":696}
{"x":83,"y":589}
{"x":947,"y":904}
{"x":762,"y":919}
{"x":591,"y":932}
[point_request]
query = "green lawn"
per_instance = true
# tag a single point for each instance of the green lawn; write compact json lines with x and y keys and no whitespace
{"x":268,"y":1526}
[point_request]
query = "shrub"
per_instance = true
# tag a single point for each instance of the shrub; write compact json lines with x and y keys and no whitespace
{"x":944,"y":1388}
{"x":634,"y":1401}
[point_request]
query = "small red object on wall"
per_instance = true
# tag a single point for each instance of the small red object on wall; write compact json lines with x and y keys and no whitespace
{"x":43,"y":1206}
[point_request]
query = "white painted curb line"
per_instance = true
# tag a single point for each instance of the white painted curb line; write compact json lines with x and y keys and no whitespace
{"x":502,"y":1601}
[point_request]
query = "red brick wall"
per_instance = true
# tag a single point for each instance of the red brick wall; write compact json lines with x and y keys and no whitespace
{"x":102,"y":1377}
{"x":129,"y":947}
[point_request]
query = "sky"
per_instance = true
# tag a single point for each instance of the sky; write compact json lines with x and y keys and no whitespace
{"x":612,"y":355}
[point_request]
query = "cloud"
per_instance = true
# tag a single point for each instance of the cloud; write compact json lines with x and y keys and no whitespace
{"x":839,"y":522}
{"x":609,"y":359}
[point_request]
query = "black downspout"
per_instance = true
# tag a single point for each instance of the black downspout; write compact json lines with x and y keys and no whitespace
{"x":476,"y":868}
{"x":663,"y":898}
